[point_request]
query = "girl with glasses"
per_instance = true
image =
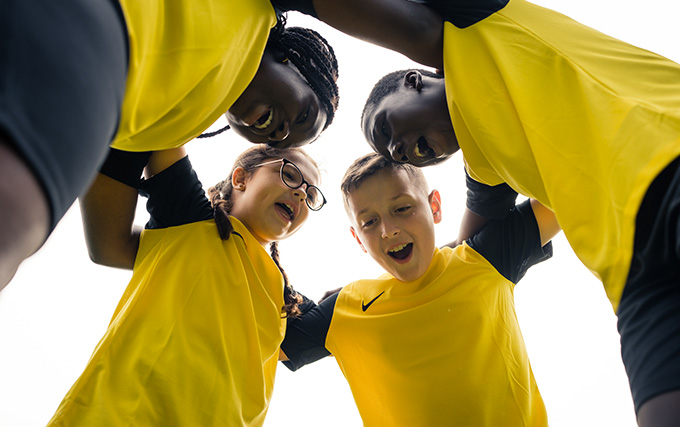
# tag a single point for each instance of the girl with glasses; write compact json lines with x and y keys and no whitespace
{"x":195,"y":338}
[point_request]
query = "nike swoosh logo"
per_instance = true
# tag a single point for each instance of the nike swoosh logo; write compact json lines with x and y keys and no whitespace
{"x":364,"y":307}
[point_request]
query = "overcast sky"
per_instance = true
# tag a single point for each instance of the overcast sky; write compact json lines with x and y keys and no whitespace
{"x":58,"y":306}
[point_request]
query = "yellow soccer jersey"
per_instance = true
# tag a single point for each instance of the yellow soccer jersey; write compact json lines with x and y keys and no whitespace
{"x":571,"y":117}
{"x":193,"y":342}
{"x":444,"y":350}
{"x":189,"y":62}
{"x":466,"y":365}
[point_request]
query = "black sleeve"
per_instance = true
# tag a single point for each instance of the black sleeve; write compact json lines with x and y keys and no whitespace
{"x":125,"y":166}
{"x":176,"y":197}
{"x":304,"y":6}
{"x":463,"y":13}
{"x":513,"y":244}
{"x":305,"y":340}
{"x":494,"y":202}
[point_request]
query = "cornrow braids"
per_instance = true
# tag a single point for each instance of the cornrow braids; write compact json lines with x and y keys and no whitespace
{"x":221,"y":199}
{"x":314,"y":58}
{"x":291,"y":298}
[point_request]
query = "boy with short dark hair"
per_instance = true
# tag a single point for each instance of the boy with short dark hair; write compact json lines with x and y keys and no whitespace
{"x":435,"y":340}
{"x":586,"y":124}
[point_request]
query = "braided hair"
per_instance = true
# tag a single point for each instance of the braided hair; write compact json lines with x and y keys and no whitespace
{"x":315,"y":60}
{"x":221,"y":199}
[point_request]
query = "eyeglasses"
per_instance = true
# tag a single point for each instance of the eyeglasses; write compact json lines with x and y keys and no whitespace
{"x":292,"y":177}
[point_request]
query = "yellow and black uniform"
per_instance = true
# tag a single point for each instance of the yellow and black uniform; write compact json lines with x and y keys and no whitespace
{"x":584,"y":123}
{"x":195,"y":338}
{"x":443,"y":350}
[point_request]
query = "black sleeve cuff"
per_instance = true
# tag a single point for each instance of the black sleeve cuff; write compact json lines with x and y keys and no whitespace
{"x":494,"y":202}
{"x":125,"y":166}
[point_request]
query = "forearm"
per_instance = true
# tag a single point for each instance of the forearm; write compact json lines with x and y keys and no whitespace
{"x":108,"y":211}
{"x":409,"y":28}
{"x":469,"y":226}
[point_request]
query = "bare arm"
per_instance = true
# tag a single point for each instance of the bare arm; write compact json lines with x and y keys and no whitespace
{"x":546,"y":220}
{"x":470,"y":225}
{"x":108,"y":213}
{"x":161,"y":160}
{"x":410,"y":28}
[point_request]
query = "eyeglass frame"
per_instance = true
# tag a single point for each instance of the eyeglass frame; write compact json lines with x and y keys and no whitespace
{"x":303,"y":181}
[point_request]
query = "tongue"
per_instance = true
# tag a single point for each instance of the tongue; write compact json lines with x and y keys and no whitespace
{"x":402,"y":253}
{"x":284,"y":210}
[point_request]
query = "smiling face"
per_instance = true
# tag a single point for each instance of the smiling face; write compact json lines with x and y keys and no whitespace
{"x":412,"y":125}
{"x":278,"y":107}
{"x":393,"y":220}
{"x":268,"y":208}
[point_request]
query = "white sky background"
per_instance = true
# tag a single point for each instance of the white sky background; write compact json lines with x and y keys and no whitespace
{"x":59,"y":304}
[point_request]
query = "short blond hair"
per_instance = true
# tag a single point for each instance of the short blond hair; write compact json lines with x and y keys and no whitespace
{"x":368,"y":165}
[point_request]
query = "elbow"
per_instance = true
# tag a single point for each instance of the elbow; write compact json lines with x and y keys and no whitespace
{"x":100,"y":256}
{"x":111,"y":256}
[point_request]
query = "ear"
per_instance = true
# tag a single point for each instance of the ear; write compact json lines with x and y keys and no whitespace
{"x":413,"y":80}
{"x":356,"y":236}
{"x":239,"y":178}
{"x":435,"y":205}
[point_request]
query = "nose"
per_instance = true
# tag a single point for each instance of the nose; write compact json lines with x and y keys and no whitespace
{"x":301,"y":192}
{"x":397,"y":151}
{"x":389,"y":230}
{"x":280,"y":133}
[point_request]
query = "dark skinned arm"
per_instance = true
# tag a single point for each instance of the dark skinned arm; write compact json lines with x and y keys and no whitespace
{"x":469,"y":226}
{"x":108,"y":212}
{"x":409,"y":28}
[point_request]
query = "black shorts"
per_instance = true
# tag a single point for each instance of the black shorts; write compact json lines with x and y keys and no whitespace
{"x":649,"y":311}
{"x":63,"y":65}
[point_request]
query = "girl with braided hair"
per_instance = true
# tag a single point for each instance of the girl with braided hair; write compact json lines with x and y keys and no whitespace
{"x":153,"y":75}
{"x":195,"y":338}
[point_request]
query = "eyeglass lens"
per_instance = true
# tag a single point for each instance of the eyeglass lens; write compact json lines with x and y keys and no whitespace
{"x":292,"y":177}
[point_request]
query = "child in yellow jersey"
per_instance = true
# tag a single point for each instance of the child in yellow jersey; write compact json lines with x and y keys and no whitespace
{"x":572,"y":118}
{"x":195,"y":338}
{"x":154,"y":74}
{"x":435,"y":341}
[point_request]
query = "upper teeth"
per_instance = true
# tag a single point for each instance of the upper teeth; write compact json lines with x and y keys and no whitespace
{"x":398,"y":248}
{"x":266,"y":123}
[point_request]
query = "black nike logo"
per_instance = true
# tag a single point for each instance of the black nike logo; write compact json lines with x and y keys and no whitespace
{"x":364,"y":307}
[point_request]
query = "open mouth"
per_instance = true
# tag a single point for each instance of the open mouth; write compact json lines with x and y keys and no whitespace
{"x":265,"y":120}
{"x":422,"y":149}
{"x":401,"y":252}
{"x":286,"y":210}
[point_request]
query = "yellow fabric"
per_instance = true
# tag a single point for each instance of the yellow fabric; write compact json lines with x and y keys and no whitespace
{"x":189,"y":62}
{"x":566,"y":115}
{"x":440,"y":351}
{"x":193,"y":342}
